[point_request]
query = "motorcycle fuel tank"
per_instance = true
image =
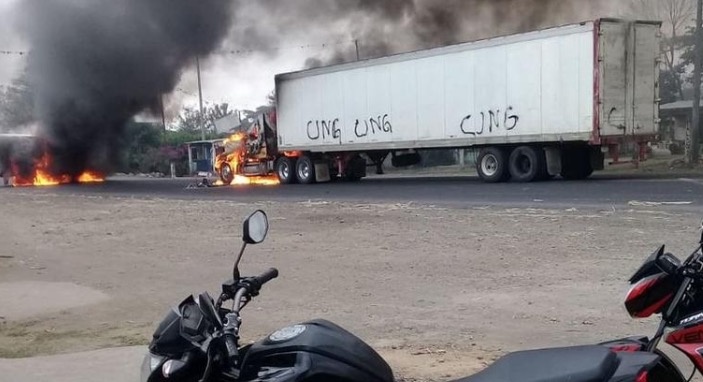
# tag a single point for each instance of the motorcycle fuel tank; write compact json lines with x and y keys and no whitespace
{"x":314,"y":351}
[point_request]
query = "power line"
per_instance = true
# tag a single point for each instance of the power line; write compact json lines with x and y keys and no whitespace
{"x":291,"y":47}
{"x":323,"y":45}
{"x":14,"y":52}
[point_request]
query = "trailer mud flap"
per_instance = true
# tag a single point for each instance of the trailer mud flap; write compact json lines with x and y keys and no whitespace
{"x":322,"y":172}
{"x":553,"y":155}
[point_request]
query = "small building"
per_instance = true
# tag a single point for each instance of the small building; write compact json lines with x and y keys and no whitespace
{"x":675,"y":120}
{"x":201,"y":157}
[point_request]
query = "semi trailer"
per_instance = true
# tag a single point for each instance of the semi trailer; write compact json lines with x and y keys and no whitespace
{"x":535,"y":105}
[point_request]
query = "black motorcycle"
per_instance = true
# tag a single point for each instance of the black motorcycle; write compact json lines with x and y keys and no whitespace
{"x":199,"y":341}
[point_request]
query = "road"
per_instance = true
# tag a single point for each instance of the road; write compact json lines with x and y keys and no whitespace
{"x":599,"y":192}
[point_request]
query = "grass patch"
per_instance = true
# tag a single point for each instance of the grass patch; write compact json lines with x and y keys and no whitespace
{"x":30,"y":339}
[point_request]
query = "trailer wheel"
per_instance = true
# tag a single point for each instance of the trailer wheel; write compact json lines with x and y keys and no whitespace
{"x":285,"y":170}
{"x":528,"y":164}
{"x":576,"y":164}
{"x":492,"y":165}
{"x":226,"y":174}
{"x":305,"y":170}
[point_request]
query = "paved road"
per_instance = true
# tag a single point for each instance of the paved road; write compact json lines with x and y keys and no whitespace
{"x":603,"y":191}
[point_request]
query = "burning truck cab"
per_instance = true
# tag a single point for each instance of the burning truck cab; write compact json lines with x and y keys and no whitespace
{"x":253,"y":157}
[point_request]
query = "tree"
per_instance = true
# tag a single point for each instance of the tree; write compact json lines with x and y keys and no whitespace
{"x":189,"y":119}
{"x":271,"y":99}
{"x":677,"y":15}
{"x":16,"y":104}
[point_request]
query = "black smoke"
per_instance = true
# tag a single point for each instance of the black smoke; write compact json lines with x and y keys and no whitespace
{"x":384,"y":27}
{"x":94,"y":64}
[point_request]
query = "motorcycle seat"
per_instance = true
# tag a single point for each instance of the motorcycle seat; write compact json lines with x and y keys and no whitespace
{"x":573,"y":364}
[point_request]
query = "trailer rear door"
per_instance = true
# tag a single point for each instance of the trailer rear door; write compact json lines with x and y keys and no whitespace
{"x":628,"y":63}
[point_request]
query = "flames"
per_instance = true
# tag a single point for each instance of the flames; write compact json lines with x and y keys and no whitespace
{"x":241,"y":180}
{"x":236,"y":156}
{"x":41,"y":176}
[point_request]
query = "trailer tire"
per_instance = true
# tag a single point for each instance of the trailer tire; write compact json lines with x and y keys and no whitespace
{"x":226,"y":174}
{"x":305,"y":170}
{"x":286,"y":170}
{"x":527,"y":164}
{"x":492,"y":165}
{"x":576,"y":164}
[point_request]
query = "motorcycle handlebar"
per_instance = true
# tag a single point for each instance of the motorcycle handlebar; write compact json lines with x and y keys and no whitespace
{"x":231,"y":346}
{"x":267,"y":276}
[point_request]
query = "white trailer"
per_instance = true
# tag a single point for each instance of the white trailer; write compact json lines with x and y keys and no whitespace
{"x":536,"y":104}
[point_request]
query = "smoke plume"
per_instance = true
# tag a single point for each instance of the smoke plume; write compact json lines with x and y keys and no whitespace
{"x":391,"y":26}
{"x":97,"y":63}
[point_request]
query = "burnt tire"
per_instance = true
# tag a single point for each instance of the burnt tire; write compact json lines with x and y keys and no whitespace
{"x":576,"y":163}
{"x":305,"y":170}
{"x":226,"y":174}
{"x":527,"y":164}
{"x":285,"y":170}
{"x":492,"y":165}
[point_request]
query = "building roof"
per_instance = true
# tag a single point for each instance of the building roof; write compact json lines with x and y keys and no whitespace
{"x":678,"y":105}
{"x":204,"y":142}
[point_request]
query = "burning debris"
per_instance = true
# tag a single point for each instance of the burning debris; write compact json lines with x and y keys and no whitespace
{"x":41,"y":175}
{"x":24,"y":161}
{"x":97,"y":63}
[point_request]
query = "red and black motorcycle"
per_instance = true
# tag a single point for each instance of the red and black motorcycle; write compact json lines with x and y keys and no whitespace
{"x":664,"y":285}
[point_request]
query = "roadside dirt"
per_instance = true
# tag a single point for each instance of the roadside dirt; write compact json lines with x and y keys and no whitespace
{"x":439,"y":292}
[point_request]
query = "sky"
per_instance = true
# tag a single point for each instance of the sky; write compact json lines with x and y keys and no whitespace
{"x":245,"y":79}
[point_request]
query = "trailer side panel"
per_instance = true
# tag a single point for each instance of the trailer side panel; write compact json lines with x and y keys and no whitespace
{"x":533,"y":87}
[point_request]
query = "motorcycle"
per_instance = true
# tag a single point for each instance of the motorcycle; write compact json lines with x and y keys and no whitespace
{"x":199,"y":339}
{"x":666,"y":286}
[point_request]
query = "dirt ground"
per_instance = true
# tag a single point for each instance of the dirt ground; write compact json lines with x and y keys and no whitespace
{"x":439,"y":292}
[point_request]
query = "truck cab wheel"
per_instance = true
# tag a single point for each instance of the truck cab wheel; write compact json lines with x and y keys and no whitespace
{"x":285,"y":170}
{"x":492,"y":165}
{"x":528,"y":164}
{"x":305,"y":170}
{"x":226,"y":174}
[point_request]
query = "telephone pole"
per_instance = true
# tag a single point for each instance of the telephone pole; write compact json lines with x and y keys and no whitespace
{"x":356,"y":44}
{"x":694,"y":135}
{"x":200,"y":96}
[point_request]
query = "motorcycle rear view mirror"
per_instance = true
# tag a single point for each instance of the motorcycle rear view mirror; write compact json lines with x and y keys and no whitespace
{"x":256,"y":227}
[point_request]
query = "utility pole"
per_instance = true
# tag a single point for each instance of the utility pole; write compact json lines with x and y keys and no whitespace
{"x":200,"y":96}
{"x":694,"y":152}
{"x":163,"y":112}
{"x":356,"y":44}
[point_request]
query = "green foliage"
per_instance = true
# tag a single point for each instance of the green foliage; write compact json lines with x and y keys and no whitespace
{"x":148,"y":148}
